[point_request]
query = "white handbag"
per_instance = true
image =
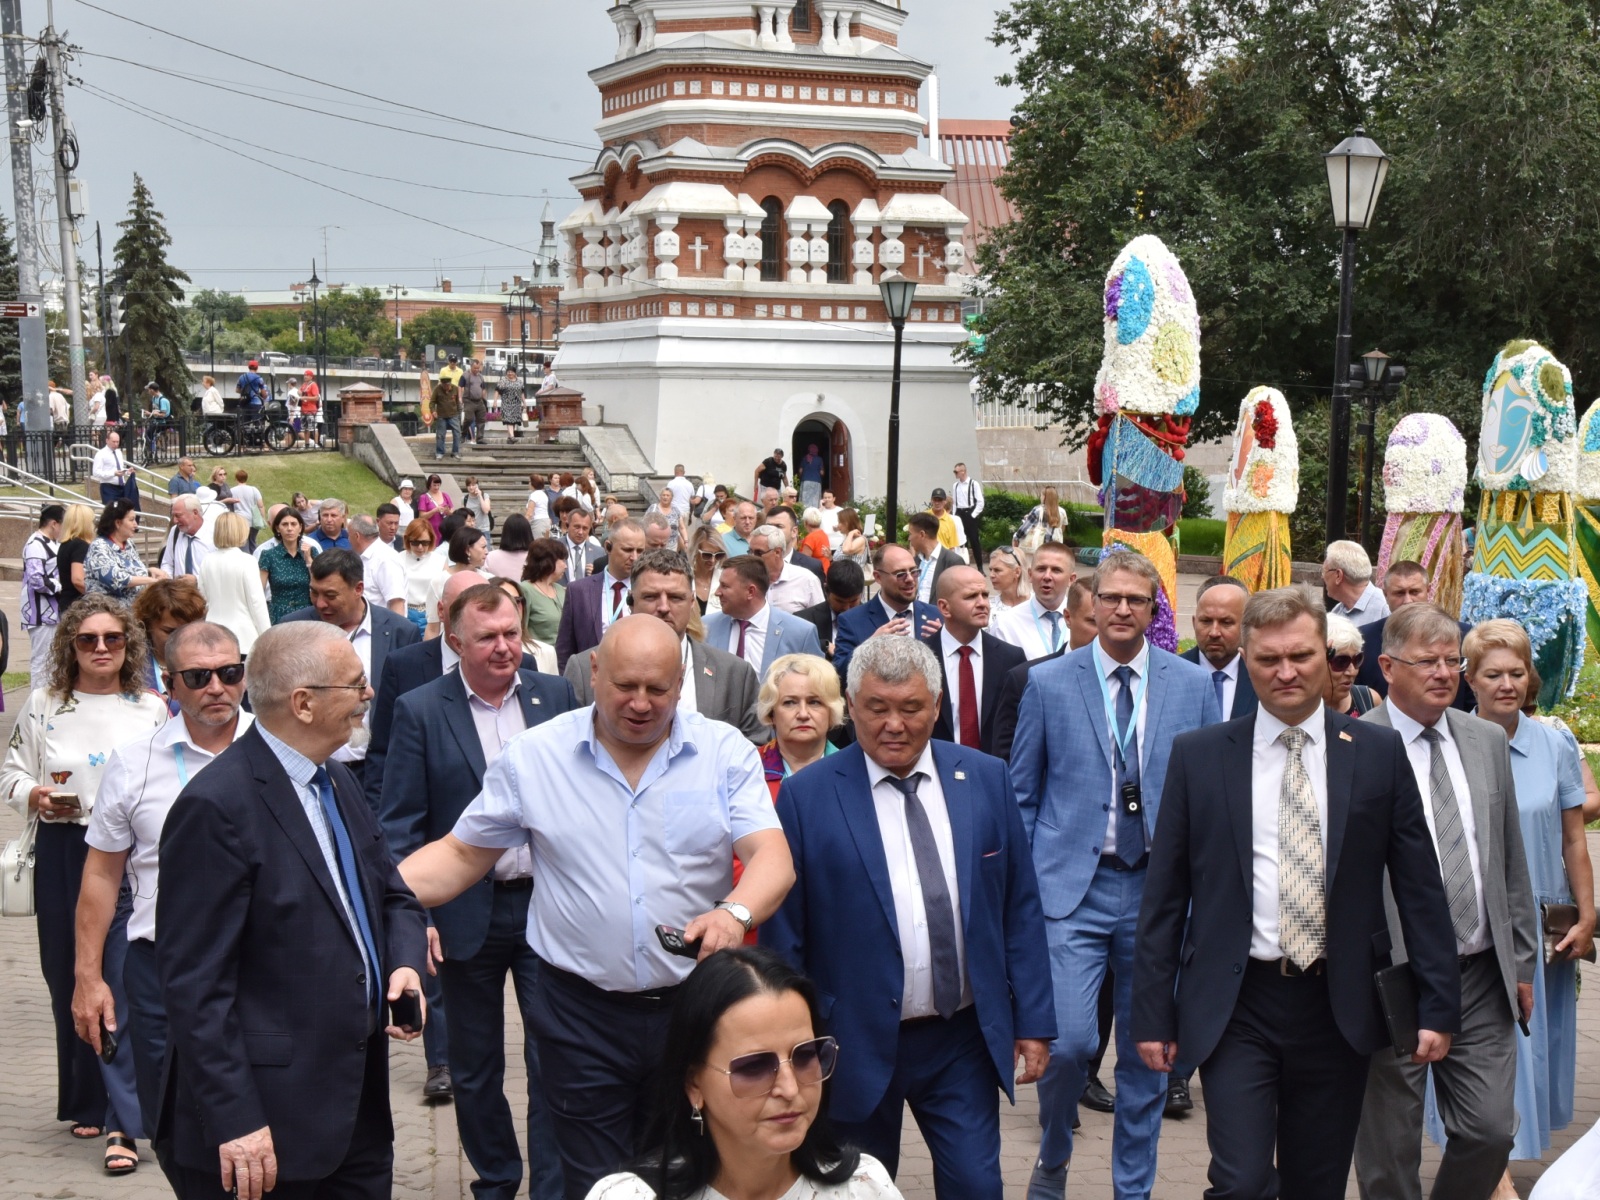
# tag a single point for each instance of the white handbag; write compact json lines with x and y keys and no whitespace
{"x":16,"y":874}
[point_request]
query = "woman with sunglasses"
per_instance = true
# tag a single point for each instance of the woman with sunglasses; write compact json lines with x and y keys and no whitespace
{"x":421,"y":566}
{"x":94,"y":700}
{"x":707,"y":552}
{"x":743,"y":1104}
{"x":1343,"y":693}
{"x":1008,"y":577}
{"x":112,"y":567}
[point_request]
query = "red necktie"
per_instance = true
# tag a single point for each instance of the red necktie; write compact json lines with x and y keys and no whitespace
{"x":743,"y":625}
{"x":616,"y":598}
{"x":967,"y":695}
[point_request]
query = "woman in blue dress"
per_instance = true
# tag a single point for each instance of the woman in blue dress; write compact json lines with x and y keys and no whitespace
{"x":1545,"y":768}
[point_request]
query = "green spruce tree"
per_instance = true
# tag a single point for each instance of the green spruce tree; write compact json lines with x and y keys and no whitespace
{"x":151,"y":345}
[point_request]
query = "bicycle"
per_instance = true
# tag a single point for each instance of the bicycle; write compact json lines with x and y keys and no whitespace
{"x":266,"y":430}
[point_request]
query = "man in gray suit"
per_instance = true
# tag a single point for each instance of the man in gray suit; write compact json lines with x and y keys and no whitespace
{"x":1463,"y":769}
{"x":750,"y":628}
{"x":716,"y":685}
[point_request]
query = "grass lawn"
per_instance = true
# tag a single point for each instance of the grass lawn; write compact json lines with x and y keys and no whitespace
{"x":1201,"y":535}
{"x":319,"y":475}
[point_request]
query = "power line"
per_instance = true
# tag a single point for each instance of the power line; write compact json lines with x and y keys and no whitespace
{"x":322,"y":112}
{"x":337,"y":87}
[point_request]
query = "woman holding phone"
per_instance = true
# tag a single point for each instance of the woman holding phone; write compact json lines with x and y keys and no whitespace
{"x":94,"y":700}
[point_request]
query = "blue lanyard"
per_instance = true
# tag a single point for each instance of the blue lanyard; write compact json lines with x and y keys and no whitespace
{"x":1120,"y":741}
{"x":183,"y":771}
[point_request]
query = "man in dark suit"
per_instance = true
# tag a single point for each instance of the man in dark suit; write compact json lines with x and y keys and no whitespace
{"x":1405,"y":582}
{"x":977,"y":661}
{"x":1079,"y":607}
{"x":715,"y":683}
{"x":285,"y":929}
{"x":933,"y":560}
{"x":1218,"y":620}
{"x":446,"y":733}
{"x":595,"y":602}
{"x":338,"y":598}
{"x":894,"y":611}
{"x":917,"y":848}
{"x":845,"y":586}
{"x":1263,"y":917}
{"x":783,"y":518}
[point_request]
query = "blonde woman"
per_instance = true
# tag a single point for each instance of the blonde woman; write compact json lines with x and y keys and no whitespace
{"x":800,"y":703}
{"x":230,"y":580}
{"x":77,"y":531}
{"x":1008,"y":575}
{"x":1046,"y":523}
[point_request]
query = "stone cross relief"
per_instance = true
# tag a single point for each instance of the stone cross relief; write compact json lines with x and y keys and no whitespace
{"x":699,"y":247}
{"x":922,"y":257}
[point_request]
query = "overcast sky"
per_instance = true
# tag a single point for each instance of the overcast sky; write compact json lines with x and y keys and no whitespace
{"x":518,"y":66}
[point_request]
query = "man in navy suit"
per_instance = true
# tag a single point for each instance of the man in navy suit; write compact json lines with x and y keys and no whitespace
{"x":1263,"y":921}
{"x":894,"y":611}
{"x":338,"y":598}
{"x":1218,"y":621}
{"x":285,"y":930}
{"x":750,"y":628}
{"x":597,"y":601}
{"x":977,"y":661}
{"x":916,"y":913}
{"x":1088,"y":762}
{"x":1405,"y":582}
{"x":445,"y":735}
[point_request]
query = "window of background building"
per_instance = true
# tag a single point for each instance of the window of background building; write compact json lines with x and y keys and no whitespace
{"x":772,"y":239}
{"x":802,"y":16}
{"x":486,"y":331}
{"x":839,"y":242}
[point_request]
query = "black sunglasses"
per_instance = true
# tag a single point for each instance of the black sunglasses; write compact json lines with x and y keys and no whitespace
{"x":1343,"y":662}
{"x":196,"y":678}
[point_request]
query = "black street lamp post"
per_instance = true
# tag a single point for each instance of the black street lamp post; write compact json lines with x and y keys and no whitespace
{"x":1380,"y":380}
{"x":1356,"y":171}
{"x":318,"y":347}
{"x":897,"y":292}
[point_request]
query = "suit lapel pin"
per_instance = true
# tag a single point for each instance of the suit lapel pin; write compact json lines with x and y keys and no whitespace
{"x":1344,"y":736}
{"x":961,"y":774}
{"x":708,"y":672}
{"x":536,"y":699}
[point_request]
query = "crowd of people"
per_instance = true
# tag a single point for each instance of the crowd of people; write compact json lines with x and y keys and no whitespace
{"x":776,"y":830}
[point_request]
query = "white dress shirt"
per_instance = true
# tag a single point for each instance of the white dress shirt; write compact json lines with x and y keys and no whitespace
{"x":1370,"y":606}
{"x":1230,"y":685}
{"x":361,"y":638}
{"x":967,"y":493}
{"x":614,"y":604}
{"x":687,"y":696}
{"x":175,"y":551}
{"x":108,"y":465}
{"x":625,"y":859}
{"x":1026,"y":627}
{"x":905,"y":884}
{"x":926,"y":569}
{"x":496,"y":725}
{"x":889,"y":610}
{"x":755,"y":638}
{"x":950,"y":652}
{"x":141,"y":783}
{"x":383,"y":574}
{"x":1268,"y":759}
{"x":1420,"y":754}
{"x":796,"y":588}
{"x":1141,"y":669}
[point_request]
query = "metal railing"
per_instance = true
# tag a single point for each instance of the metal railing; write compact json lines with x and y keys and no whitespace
{"x":38,"y":491}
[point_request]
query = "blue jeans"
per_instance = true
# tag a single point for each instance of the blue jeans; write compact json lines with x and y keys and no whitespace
{"x":1097,"y":934}
{"x":440,"y":424}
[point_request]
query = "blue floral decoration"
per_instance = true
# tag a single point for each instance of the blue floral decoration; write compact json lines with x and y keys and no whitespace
{"x":1189,"y":402}
{"x":1541,"y":606}
{"x":1591,"y":439}
{"x":1136,"y":302}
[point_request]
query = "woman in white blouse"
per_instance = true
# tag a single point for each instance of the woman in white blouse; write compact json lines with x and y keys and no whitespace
{"x":93,"y":701}
{"x":230,"y":580}
{"x":740,"y":1109}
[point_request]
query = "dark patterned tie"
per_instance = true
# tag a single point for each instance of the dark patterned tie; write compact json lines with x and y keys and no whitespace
{"x":1302,"y":901}
{"x":939,"y":912}
{"x":1455,"y":863}
{"x":1130,"y":826}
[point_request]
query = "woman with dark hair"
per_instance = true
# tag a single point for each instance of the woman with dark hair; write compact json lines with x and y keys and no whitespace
{"x":286,"y":565}
{"x":516,"y":535}
{"x":434,"y":505}
{"x":468,"y":549}
{"x":112,"y":566}
{"x":543,"y":590}
{"x":742,"y":1109}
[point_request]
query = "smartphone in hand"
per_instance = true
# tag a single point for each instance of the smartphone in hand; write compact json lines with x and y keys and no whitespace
{"x":108,"y":1043}
{"x":406,"y":1012}
{"x":672,"y":941}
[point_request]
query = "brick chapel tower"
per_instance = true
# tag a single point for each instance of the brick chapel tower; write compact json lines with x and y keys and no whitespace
{"x":760,"y":170}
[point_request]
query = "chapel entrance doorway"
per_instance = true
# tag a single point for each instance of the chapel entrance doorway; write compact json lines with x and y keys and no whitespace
{"x":832,"y":440}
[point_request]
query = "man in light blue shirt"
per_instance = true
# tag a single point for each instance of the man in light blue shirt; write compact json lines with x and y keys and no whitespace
{"x":633,"y":813}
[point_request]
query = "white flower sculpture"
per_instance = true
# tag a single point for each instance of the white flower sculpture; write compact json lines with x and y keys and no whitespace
{"x":1152,"y":354}
{"x":1425,"y":466}
{"x":1589,"y":455}
{"x":1265,"y":473}
{"x":1528,"y":441}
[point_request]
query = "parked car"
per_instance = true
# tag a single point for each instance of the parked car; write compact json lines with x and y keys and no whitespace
{"x":274,"y":358}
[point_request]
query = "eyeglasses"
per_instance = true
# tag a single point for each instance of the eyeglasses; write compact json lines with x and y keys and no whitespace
{"x":337,"y":687}
{"x":196,"y":678}
{"x":1134,"y":603}
{"x":752,"y":1075}
{"x":419,"y":542}
{"x":1343,"y":662}
{"x":93,"y":641}
{"x":906,"y":574}
{"x":1429,"y":666}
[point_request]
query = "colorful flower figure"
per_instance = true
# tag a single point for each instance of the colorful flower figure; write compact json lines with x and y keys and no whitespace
{"x":1146,"y":395}
{"x":1424,"y":482}
{"x":1263,"y":486}
{"x":1586,"y":514}
{"x":1525,"y":560}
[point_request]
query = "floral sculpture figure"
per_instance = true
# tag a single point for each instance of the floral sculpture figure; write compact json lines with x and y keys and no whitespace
{"x":1424,"y":481}
{"x":1263,"y":485}
{"x":1146,"y":395}
{"x":1524,"y":562}
{"x":1586,"y":514}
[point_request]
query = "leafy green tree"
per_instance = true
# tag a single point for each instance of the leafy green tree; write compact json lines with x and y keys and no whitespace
{"x":438,"y":327}
{"x":153,"y":320}
{"x":10,"y":341}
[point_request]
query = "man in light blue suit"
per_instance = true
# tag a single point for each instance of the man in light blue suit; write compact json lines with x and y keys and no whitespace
{"x":895,"y":609}
{"x":750,"y":628}
{"x":1088,"y":763}
{"x":916,"y":913}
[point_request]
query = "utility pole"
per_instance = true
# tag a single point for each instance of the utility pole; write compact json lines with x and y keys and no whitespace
{"x":104,"y":305}
{"x":66,"y":160}
{"x":35,"y":404}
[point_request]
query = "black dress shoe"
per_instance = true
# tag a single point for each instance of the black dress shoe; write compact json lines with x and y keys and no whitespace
{"x":438,"y":1086}
{"x":1096,"y":1097}
{"x":1179,"y":1102}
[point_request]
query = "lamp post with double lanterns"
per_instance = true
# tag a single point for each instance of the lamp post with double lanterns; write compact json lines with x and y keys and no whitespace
{"x":318,"y":346}
{"x":520,"y":309}
{"x":897,"y":292}
{"x":1357,"y":169}
{"x":1380,"y":380}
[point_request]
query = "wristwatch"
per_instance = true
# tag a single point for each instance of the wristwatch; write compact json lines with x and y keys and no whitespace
{"x":738,"y":911}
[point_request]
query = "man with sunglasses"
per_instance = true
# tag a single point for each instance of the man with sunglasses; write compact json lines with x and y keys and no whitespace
{"x":1088,"y":762}
{"x":1405,"y":582}
{"x":205,"y":675}
{"x":894,"y":612}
